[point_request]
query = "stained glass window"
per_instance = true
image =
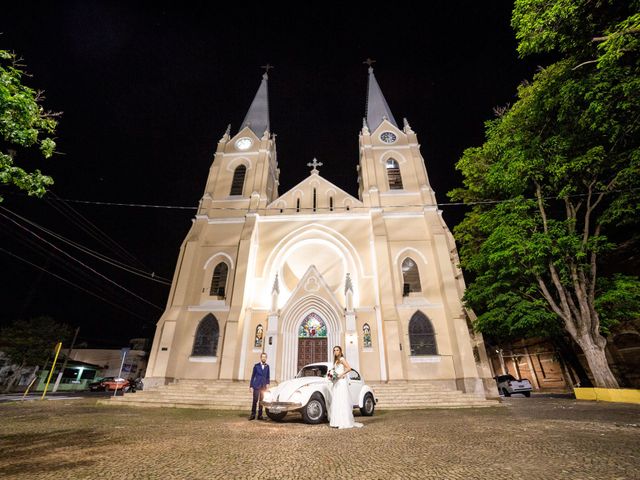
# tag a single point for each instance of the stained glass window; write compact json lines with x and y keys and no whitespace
{"x":259,"y":336}
{"x":422,"y":336}
{"x":205,"y":343}
{"x":312,"y":327}
{"x":366,"y":336}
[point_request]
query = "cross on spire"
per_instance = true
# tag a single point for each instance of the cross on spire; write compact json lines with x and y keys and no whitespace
{"x":314,"y":164}
{"x":369,"y":62}
{"x":267,"y":67}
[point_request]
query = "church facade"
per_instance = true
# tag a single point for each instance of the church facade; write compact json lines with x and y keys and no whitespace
{"x":293,"y":275}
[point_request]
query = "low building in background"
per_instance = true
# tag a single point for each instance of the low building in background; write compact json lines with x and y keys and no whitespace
{"x":134,"y":366}
{"x":537,"y":360}
{"x":77,"y":376}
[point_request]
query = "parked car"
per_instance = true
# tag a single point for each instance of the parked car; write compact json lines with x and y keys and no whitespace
{"x":110,"y":383}
{"x":508,"y":385}
{"x":308,"y":391}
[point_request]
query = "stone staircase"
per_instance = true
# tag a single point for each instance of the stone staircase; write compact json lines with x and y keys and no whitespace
{"x":211,"y":394}
{"x":422,"y":394}
{"x":231,"y":395}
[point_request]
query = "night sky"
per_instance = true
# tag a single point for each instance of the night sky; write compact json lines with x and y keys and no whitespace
{"x":147,"y":91}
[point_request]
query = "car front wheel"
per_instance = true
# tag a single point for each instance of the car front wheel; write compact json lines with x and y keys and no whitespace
{"x":315,"y":410}
{"x":368,"y":405}
{"x":527,"y":394}
{"x":278,"y":417}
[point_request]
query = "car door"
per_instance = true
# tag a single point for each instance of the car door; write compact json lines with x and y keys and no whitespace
{"x":355,"y":386}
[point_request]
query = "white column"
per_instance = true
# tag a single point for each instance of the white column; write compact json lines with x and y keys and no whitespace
{"x":271,"y":345}
{"x":271,"y":338}
{"x":351,"y":340}
{"x":351,"y":335}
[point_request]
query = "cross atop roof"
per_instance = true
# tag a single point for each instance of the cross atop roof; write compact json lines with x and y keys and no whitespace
{"x":314,"y":164}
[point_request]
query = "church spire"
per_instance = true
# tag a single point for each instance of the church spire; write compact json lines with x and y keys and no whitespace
{"x":257,"y":117}
{"x":377,"y":107}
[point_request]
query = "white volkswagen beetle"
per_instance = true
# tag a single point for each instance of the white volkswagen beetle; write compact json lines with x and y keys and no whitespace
{"x":310,"y":391}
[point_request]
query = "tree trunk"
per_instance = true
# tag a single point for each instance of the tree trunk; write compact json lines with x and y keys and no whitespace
{"x":565,"y":346}
{"x":595,"y":356}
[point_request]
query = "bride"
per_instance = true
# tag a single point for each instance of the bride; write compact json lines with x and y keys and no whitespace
{"x":340,"y":410}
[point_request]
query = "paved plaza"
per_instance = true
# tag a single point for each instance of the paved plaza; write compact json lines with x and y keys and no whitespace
{"x":535,"y":438}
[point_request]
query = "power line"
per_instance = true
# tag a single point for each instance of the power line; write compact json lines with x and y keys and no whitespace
{"x":92,"y":229}
{"x":71,"y":283}
{"x":72,"y":268}
{"x":81,"y":263}
{"x":99,"y":256}
{"x":352,"y":207}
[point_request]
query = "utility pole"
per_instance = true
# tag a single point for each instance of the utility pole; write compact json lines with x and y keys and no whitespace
{"x":64,"y":364}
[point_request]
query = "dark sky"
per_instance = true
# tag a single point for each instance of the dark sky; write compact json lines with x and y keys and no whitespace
{"x":147,"y":91}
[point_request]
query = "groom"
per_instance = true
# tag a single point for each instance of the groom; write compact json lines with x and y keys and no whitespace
{"x":259,"y":381}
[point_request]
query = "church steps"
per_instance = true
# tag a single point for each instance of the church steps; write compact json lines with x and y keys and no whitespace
{"x":230,"y":395}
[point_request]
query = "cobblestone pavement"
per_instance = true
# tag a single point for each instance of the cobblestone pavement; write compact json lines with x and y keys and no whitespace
{"x":527,"y":438}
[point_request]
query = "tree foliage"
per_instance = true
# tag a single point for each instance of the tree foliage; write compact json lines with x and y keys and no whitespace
{"x":30,"y":342}
{"x":559,"y":170}
{"x":24,"y":125}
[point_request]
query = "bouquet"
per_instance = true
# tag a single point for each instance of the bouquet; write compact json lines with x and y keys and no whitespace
{"x":333,"y":375}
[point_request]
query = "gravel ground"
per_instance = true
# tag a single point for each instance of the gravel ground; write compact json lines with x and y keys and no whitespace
{"x":534,"y":438}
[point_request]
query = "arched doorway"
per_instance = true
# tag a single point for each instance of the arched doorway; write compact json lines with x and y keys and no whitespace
{"x":312,"y":340}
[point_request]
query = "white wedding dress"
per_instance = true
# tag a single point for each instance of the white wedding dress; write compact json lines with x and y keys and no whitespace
{"x":340,"y":411}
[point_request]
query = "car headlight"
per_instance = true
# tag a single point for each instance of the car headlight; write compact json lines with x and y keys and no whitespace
{"x":296,"y":397}
{"x":268,"y":396}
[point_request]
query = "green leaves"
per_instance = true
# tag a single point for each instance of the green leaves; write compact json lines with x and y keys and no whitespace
{"x":29,"y":342}
{"x":24,"y":124}
{"x":618,"y":300}
{"x":558,"y":172}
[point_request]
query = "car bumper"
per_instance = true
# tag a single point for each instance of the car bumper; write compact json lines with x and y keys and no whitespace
{"x":277,"y":407}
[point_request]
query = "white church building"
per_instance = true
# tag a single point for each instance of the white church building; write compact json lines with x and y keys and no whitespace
{"x":296,"y":273}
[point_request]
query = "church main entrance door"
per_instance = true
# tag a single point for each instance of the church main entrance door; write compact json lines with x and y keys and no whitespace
{"x":312,"y":341}
{"x":311,"y":350}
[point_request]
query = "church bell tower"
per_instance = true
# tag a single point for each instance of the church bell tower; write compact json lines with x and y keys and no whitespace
{"x":391,"y":170}
{"x":244,"y":174}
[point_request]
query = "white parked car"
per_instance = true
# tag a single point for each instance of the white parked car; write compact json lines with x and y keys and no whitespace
{"x":308,"y":392}
{"x":507,"y":385}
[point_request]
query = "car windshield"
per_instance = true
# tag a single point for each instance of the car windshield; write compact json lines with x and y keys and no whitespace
{"x":313,"y":371}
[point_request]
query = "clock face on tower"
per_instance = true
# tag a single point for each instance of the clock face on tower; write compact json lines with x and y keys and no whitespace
{"x":388,"y":137}
{"x":243,"y":143}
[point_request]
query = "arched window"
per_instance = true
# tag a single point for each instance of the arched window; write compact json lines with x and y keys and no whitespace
{"x":422,"y":336}
{"x":393,"y":173}
{"x":312,"y":327}
{"x":219,"y":280}
{"x":331,"y":204}
{"x":237,"y":184}
{"x":410,"y":277}
{"x":205,"y":343}
{"x":297,"y":205}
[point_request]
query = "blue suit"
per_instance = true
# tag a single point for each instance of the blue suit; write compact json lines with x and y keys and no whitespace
{"x":260,"y":378}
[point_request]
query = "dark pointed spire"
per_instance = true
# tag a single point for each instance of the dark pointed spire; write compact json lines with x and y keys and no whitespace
{"x":257,"y":117}
{"x":377,"y":107}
